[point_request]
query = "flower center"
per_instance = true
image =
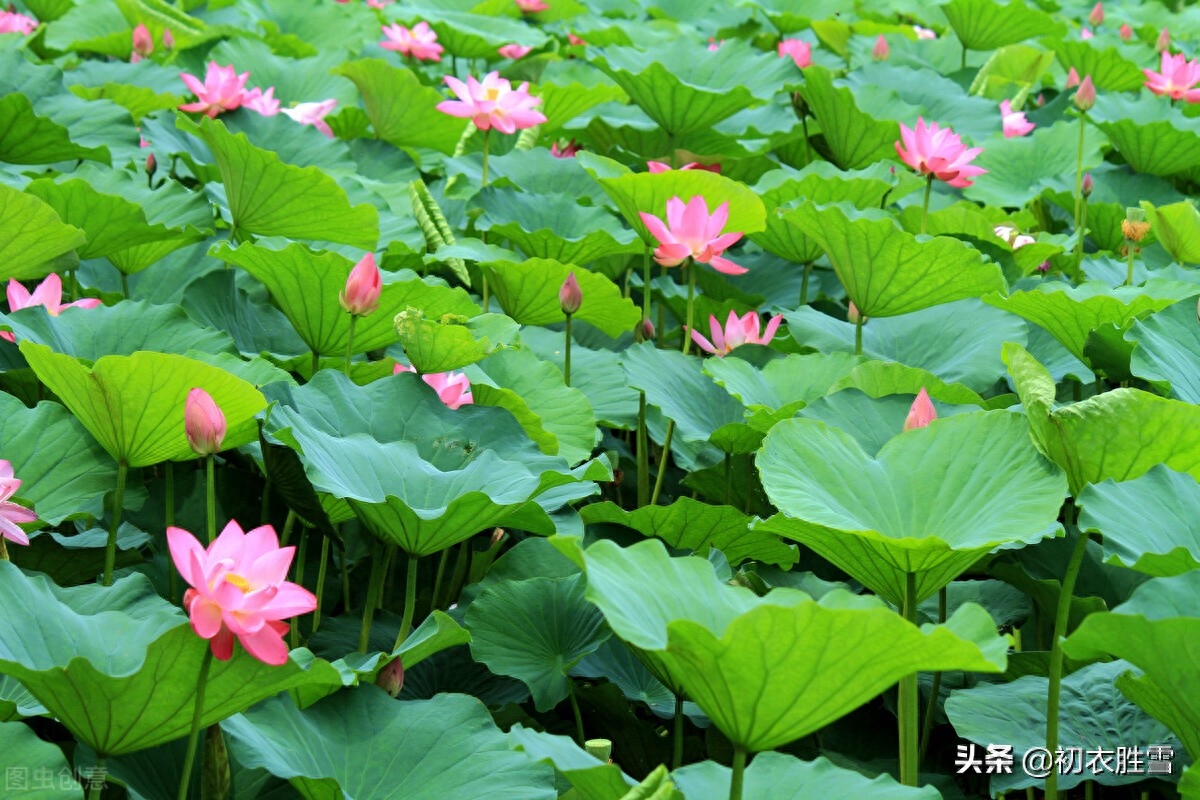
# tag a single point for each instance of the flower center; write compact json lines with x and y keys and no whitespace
{"x":238,"y":581}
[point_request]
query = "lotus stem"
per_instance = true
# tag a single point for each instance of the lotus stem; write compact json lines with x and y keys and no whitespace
{"x":908,"y":705}
{"x":350,"y":344}
{"x":927,"y":725}
{"x":737,"y":778}
{"x":963,"y":62}
{"x":858,"y":326}
{"x":169,"y":480}
{"x":1079,"y":201}
{"x":1128,"y":262}
{"x":575,"y":709}
{"x":925,"y":205}
{"x":110,"y":550}
{"x":410,"y":600}
{"x":437,"y":581}
{"x":373,"y":587}
{"x":316,"y":363}
{"x":460,"y":572}
{"x":288,"y":524}
{"x":321,"y":583}
{"x":72,"y":286}
{"x":662,"y":316}
{"x":643,"y":454}
{"x":124,"y":285}
{"x":687,"y":332}
{"x":662,"y":462}
{"x":190,"y":759}
{"x":728,"y":478}
{"x":808,"y":268}
{"x":1061,"y":617}
{"x":807,"y":146}
{"x":345,"y":583}
{"x":96,"y":787}
{"x":567,"y":352}
{"x":301,"y":557}
{"x":210,"y":496}
{"x":483,"y":185}
{"x":3,"y":550}
{"x":677,"y":745}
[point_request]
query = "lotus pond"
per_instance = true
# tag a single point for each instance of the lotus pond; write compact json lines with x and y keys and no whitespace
{"x":599,"y":399}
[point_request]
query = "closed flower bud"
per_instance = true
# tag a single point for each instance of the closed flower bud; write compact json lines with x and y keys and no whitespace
{"x":168,"y":39}
{"x":1087,"y":185}
{"x":151,"y":165}
{"x":143,"y":42}
{"x":644,"y":332}
{"x":799,"y":105}
{"x":497,"y":537}
{"x":204,"y":423}
{"x":1085,"y":95}
{"x":921,"y":413}
{"x":853,"y":316}
{"x":1164,"y":41}
{"x":880,"y":51}
{"x":570,"y":298}
{"x":1072,"y":78}
{"x":1097,"y":15}
{"x":391,"y":677}
{"x":1125,"y":32}
{"x":363,"y":287}
{"x":1134,"y":226}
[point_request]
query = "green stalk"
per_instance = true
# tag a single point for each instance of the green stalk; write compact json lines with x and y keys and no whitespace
{"x":410,"y":601}
{"x":460,"y":570}
{"x":925,"y":205}
{"x":687,"y":334}
{"x":350,"y":343}
{"x":567,"y":353}
{"x":96,"y":788}
{"x":483,"y":272}
{"x":808,"y":268}
{"x":345,"y":582}
{"x":369,"y":604}
{"x":575,"y":710}
{"x":3,"y":550}
{"x":858,"y":335}
{"x":288,"y":524}
{"x":1129,"y":263}
{"x":193,"y":737}
{"x":125,"y":285}
{"x":1079,"y":196}
{"x":661,"y":332}
{"x":321,"y":583}
{"x":316,"y":362}
{"x":1061,"y":617}
{"x":301,"y":556}
{"x":728,"y":478}
{"x":172,"y":575}
{"x":807,"y":146}
{"x":110,"y":550}
{"x":210,"y":496}
{"x":437,"y":581}
{"x":643,"y":454}
{"x":677,"y":745}
{"x":909,"y":697}
{"x":927,"y":725}
{"x":662,"y":462}
{"x":738,"y":777}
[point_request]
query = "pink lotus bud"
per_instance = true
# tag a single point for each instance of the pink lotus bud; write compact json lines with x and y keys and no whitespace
{"x":574,"y":40}
{"x":363,"y":287}
{"x":204,"y":423}
{"x":1097,"y":15}
{"x":151,"y":165}
{"x":1041,"y":99}
{"x":880,"y":51}
{"x":1125,"y":32}
{"x":391,"y":677}
{"x":644,"y":332}
{"x":569,"y":296}
{"x":1085,"y":95}
{"x":1087,"y":185}
{"x":1164,"y":41}
{"x":853,"y":316}
{"x":143,"y":42}
{"x":168,"y":39}
{"x":922,"y":412}
{"x":1072,"y":78}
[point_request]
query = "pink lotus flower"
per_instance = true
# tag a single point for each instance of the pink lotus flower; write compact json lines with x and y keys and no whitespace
{"x":1085,"y":34}
{"x":656,"y":167}
{"x":453,"y":388}
{"x":12,"y":22}
{"x":514,"y":51}
{"x":239,"y":589}
{"x":312,"y":114}
{"x":738,"y":331}
{"x":798,"y":49}
{"x":493,"y":103}
{"x":143,"y":43}
{"x":570,"y":296}
{"x":1014,"y":122}
{"x":420,"y":42}
{"x":566,"y":152}
{"x":204,"y":423}
{"x":47,"y":294}
{"x":881,"y":50}
{"x":691,"y":233}
{"x":12,"y":514}
{"x":1009,"y":234}
{"x":1177,"y":78}
{"x":222,"y":90}
{"x":379,"y":3}
{"x":531,"y":6}
{"x":714,"y":45}
{"x":922,"y":412}
{"x":924,"y":33}
{"x":1096,"y":17}
{"x":168,"y":39}
{"x":938,"y":152}
{"x":574,"y":40}
{"x":1087,"y":185}
{"x":1085,"y":95}
{"x":1073,"y":78}
{"x":1125,"y":32}
{"x":853,"y":316}
{"x":363,"y":287}
{"x":264,"y":103}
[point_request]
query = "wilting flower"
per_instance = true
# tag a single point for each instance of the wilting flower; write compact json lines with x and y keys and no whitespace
{"x":924,"y":33}
{"x":363,"y":287}
{"x":143,"y":43}
{"x":690,"y":232}
{"x":798,"y":49}
{"x":1096,"y":17}
{"x":938,"y":152}
{"x":264,"y":103}
{"x":239,"y":589}
{"x":880,"y":51}
{"x":453,"y":388}
{"x":531,"y":6}
{"x":47,"y":294}
{"x":12,"y":22}
{"x":738,"y":331}
{"x":1014,"y":122}
{"x":570,"y":297}
{"x":204,"y":423}
{"x":12,"y":514}
{"x":493,"y":103}
{"x":1176,"y":79}
{"x":656,"y":167}
{"x":1073,"y":78}
{"x":420,"y":42}
{"x":569,"y":151}
{"x":514,"y":51}
{"x":1085,"y":95}
{"x":312,"y":114}
{"x":222,"y":90}
{"x":922,"y":412}
{"x":1125,"y":32}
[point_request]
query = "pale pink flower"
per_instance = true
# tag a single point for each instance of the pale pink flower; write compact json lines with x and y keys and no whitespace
{"x":1125,"y":32}
{"x":1073,"y":78}
{"x":12,"y":22}
{"x":420,"y":42}
{"x":924,"y":33}
{"x":939,"y":152}
{"x":569,"y":151}
{"x":12,"y":514}
{"x":1085,"y":34}
{"x":379,"y":3}
{"x":143,"y":43}
{"x":531,"y":6}
{"x":921,"y":413}
{"x":312,"y":114}
{"x":1013,"y":122}
{"x":264,"y":103}
{"x":47,"y":294}
{"x":514,"y":51}
{"x":690,"y":232}
{"x":853,"y":316}
{"x":1176,"y":79}
{"x":493,"y":103}
{"x":714,"y":45}
{"x":738,"y":331}
{"x":1085,"y":95}
{"x":222,"y":90}
{"x":574,"y":40}
{"x":798,"y":49}
{"x":656,"y":167}
{"x":204,"y":423}
{"x":570,"y":296}
{"x":453,"y":388}
{"x":881,"y":50}
{"x":240,"y":589}
{"x":168,"y":39}
{"x":363,"y":287}
{"x":1009,"y":234}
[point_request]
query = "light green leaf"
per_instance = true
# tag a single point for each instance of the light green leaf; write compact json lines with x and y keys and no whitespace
{"x":469,"y":35}
{"x":439,"y":345}
{"x":26,"y":753}
{"x":1168,"y":351}
{"x":591,"y":777}
{"x":1022,"y":167}
{"x":554,"y":226}
{"x":986,"y":25}
{"x":854,"y":137}
{"x":402,"y":110}
{"x":1110,"y":69}
{"x":33,"y":236}
{"x":29,"y":138}
{"x":784,"y":777}
{"x":1152,"y":135}
{"x":1177,"y":228}
{"x":528,"y":292}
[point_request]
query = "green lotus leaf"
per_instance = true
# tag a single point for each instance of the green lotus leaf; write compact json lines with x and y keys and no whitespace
{"x":854,"y":137}
{"x":596,"y":373}
{"x":888,"y":271}
{"x":692,"y":525}
{"x":365,"y":745}
{"x":932,"y":502}
{"x":450,"y":343}
{"x":784,"y":777}
{"x":618,"y":663}
{"x":27,"y":137}
{"x":535,"y":171}
{"x":1177,"y":228}
{"x":591,"y":778}
{"x":16,"y":702}
{"x":97,"y":658}
{"x":79,"y":558}
{"x":470,"y":35}
{"x":1110,"y":69}
{"x":986,"y":24}
{"x":403,"y":111}
{"x":783,"y":385}
{"x":873,"y":421}
{"x":1153,"y":136}
{"x":26,"y":754}
{"x":528,"y":292}
{"x":563,"y":101}
{"x":790,"y":16}
{"x":902,"y":93}
{"x":269,"y":197}
{"x":33,"y":238}
{"x":1012,"y":72}
{"x":1155,"y":630}
{"x":554,"y":226}
{"x":1113,"y":435}
{"x":1093,"y":716}
{"x":216,"y":301}
{"x":134,"y":405}
{"x":1022,"y":167}
{"x":1168,"y":351}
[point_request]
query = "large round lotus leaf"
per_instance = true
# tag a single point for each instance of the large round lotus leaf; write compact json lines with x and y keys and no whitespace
{"x":986,"y":24}
{"x":402,"y":110}
{"x":365,"y":745}
{"x":1153,"y":136}
{"x":874,"y":421}
{"x":134,"y":405}
{"x":854,"y":137}
{"x":1168,"y":351}
{"x":1176,"y":226}
{"x":528,"y":292}
{"x":888,"y":271}
{"x":1092,"y":716}
{"x":780,"y":776}
{"x":554,"y":226}
{"x":1022,"y":167}
{"x":781,"y":386}
{"x":932,"y":502}
{"x":117,"y":665}
{"x":26,"y":755}
{"x":620,"y":664}
{"x":1158,"y":631}
{"x":33,"y":237}
{"x":592,"y":778}
{"x":1117,"y":434}
{"x":470,"y":35}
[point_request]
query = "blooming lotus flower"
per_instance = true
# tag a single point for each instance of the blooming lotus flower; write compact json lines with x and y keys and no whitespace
{"x":223,"y":90}
{"x":570,"y":297}
{"x":514,"y":51}
{"x":1125,"y":32}
{"x":1073,"y":78}
{"x":12,"y":514}
{"x":1009,"y":234}
{"x":12,"y":22}
{"x":738,"y":331}
{"x":47,"y":294}
{"x":1013,"y":122}
{"x":204,"y":423}
{"x":493,"y":103}
{"x":656,"y":167}
{"x":1176,"y":79}
{"x":363,"y":287}
{"x":924,"y":33}
{"x":420,"y":42}
{"x":922,"y":412}
{"x":799,"y":50}
{"x":453,"y":388}
{"x":531,"y":6}
{"x":881,"y":50}
{"x":939,"y":152}
{"x":143,"y":43}
{"x":690,"y":232}
{"x":239,"y":589}
{"x":1096,"y":17}
{"x":264,"y":103}
{"x":312,"y":114}
{"x":566,"y":152}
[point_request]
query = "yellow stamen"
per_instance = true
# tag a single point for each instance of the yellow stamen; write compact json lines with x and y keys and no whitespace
{"x":238,"y":581}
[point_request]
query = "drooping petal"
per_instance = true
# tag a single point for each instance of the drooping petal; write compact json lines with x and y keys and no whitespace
{"x":266,"y":645}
